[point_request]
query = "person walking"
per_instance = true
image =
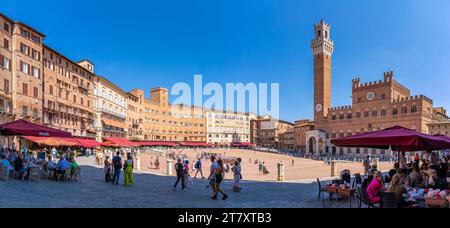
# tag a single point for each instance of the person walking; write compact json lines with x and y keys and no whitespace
{"x":180,"y":175}
{"x":117,"y":165}
{"x":237,"y":175}
{"x":212,"y":177}
{"x":198,"y":167}
{"x":219,"y":178}
{"x":107,"y":170}
{"x":128,"y":171}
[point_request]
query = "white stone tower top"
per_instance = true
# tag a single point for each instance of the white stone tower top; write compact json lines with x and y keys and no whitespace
{"x":322,"y":43}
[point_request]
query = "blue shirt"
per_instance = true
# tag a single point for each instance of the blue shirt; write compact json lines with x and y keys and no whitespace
{"x":63,"y":165}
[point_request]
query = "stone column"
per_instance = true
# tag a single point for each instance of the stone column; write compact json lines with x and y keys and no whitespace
{"x":138,"y":163}
{"x":333,"y":169}
{"x":169,"y":167}
{"x":281,"y":171}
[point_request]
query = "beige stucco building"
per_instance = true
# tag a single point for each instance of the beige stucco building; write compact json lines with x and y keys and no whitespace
{"x":223,"y":128}
{"x":110,"y":105}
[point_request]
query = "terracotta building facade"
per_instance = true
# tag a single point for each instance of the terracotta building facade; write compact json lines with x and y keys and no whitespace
{"x":68,"y":95}
{"x":375,"y":105}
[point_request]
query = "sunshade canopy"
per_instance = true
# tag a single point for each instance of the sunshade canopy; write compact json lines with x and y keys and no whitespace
{"x":398,"y":138}
{"x":242,"y":144}
{"x":121,"y":142}
{"x":51,"y":141}
{"x":25,"y":128}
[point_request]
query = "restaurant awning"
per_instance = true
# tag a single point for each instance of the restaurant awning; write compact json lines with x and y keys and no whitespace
{"x":195,"y":144}
{"x":242,"y":144}
{"x":52,"y":141}
{"x":25,"y":128}
{"x":398,"y":138}
{"x":121,"y":142}
{"x":88,"y":143}
{"x":156,"y":143}
{"x":114,"y":123}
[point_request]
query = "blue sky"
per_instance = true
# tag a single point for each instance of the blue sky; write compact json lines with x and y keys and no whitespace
{"x":146,"y":44}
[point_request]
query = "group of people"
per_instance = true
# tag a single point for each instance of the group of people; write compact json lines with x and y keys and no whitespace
{"x":114,"y":166}
{"x":215,"y":177}
{"x":19,"y":163}
{"x":421,"y":173}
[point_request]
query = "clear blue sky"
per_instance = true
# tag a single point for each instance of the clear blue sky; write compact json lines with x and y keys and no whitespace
{"x":147,"y":44}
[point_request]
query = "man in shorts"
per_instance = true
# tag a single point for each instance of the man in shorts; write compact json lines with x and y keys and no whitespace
{"x":212,"y":177}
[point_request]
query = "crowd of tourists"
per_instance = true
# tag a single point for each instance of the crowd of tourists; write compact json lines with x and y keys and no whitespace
{"x":19,"y":164}
{"x":216,"y":175}
{"x":424,"y":173}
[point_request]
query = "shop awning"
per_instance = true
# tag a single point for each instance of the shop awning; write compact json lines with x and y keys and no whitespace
{"x":121,"y":142}
{"x":242,"y":144}
{"x":52,"y":141}
{"x":195,"y":144}
{"x":114,"y":123}
{"x":88,"y":143}
{"x":156,"y":143}
{"x":25,"y":128}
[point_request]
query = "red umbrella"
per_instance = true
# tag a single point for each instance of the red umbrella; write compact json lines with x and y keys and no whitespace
{"x":25,"y":128}
{"x":399,"y":138}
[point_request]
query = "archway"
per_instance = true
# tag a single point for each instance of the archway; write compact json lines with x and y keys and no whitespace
{"x":312,"y":145}
{"x":321,"y":146}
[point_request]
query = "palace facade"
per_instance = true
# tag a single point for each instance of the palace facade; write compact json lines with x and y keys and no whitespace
{"x":375,"y":105}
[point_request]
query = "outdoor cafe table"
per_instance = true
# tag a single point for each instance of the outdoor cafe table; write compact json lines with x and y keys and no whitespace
{"x":341,"y":194}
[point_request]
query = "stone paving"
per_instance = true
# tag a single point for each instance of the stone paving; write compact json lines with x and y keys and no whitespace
{"x":152,"y":191}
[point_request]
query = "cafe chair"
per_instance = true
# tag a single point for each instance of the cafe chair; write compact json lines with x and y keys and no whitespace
{"x":321,"y":189}
{"x":388,"y":200}
{"x":364,"y":198}
{"x":357,"y":182}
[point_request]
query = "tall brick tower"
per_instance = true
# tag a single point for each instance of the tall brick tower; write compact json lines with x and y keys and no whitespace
{"x":322,"y":47}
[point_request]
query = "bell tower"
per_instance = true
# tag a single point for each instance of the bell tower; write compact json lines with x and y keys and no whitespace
{"x":322,"y":47}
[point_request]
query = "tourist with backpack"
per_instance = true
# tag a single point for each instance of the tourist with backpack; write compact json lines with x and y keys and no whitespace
{"x":198,"y":167}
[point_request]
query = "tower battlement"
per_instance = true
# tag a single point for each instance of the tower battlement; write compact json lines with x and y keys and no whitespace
{"x":413,"y":98}
{"x":341,"y":108}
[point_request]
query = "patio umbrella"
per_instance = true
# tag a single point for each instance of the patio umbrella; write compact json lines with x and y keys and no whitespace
{"x":399,"y":138}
